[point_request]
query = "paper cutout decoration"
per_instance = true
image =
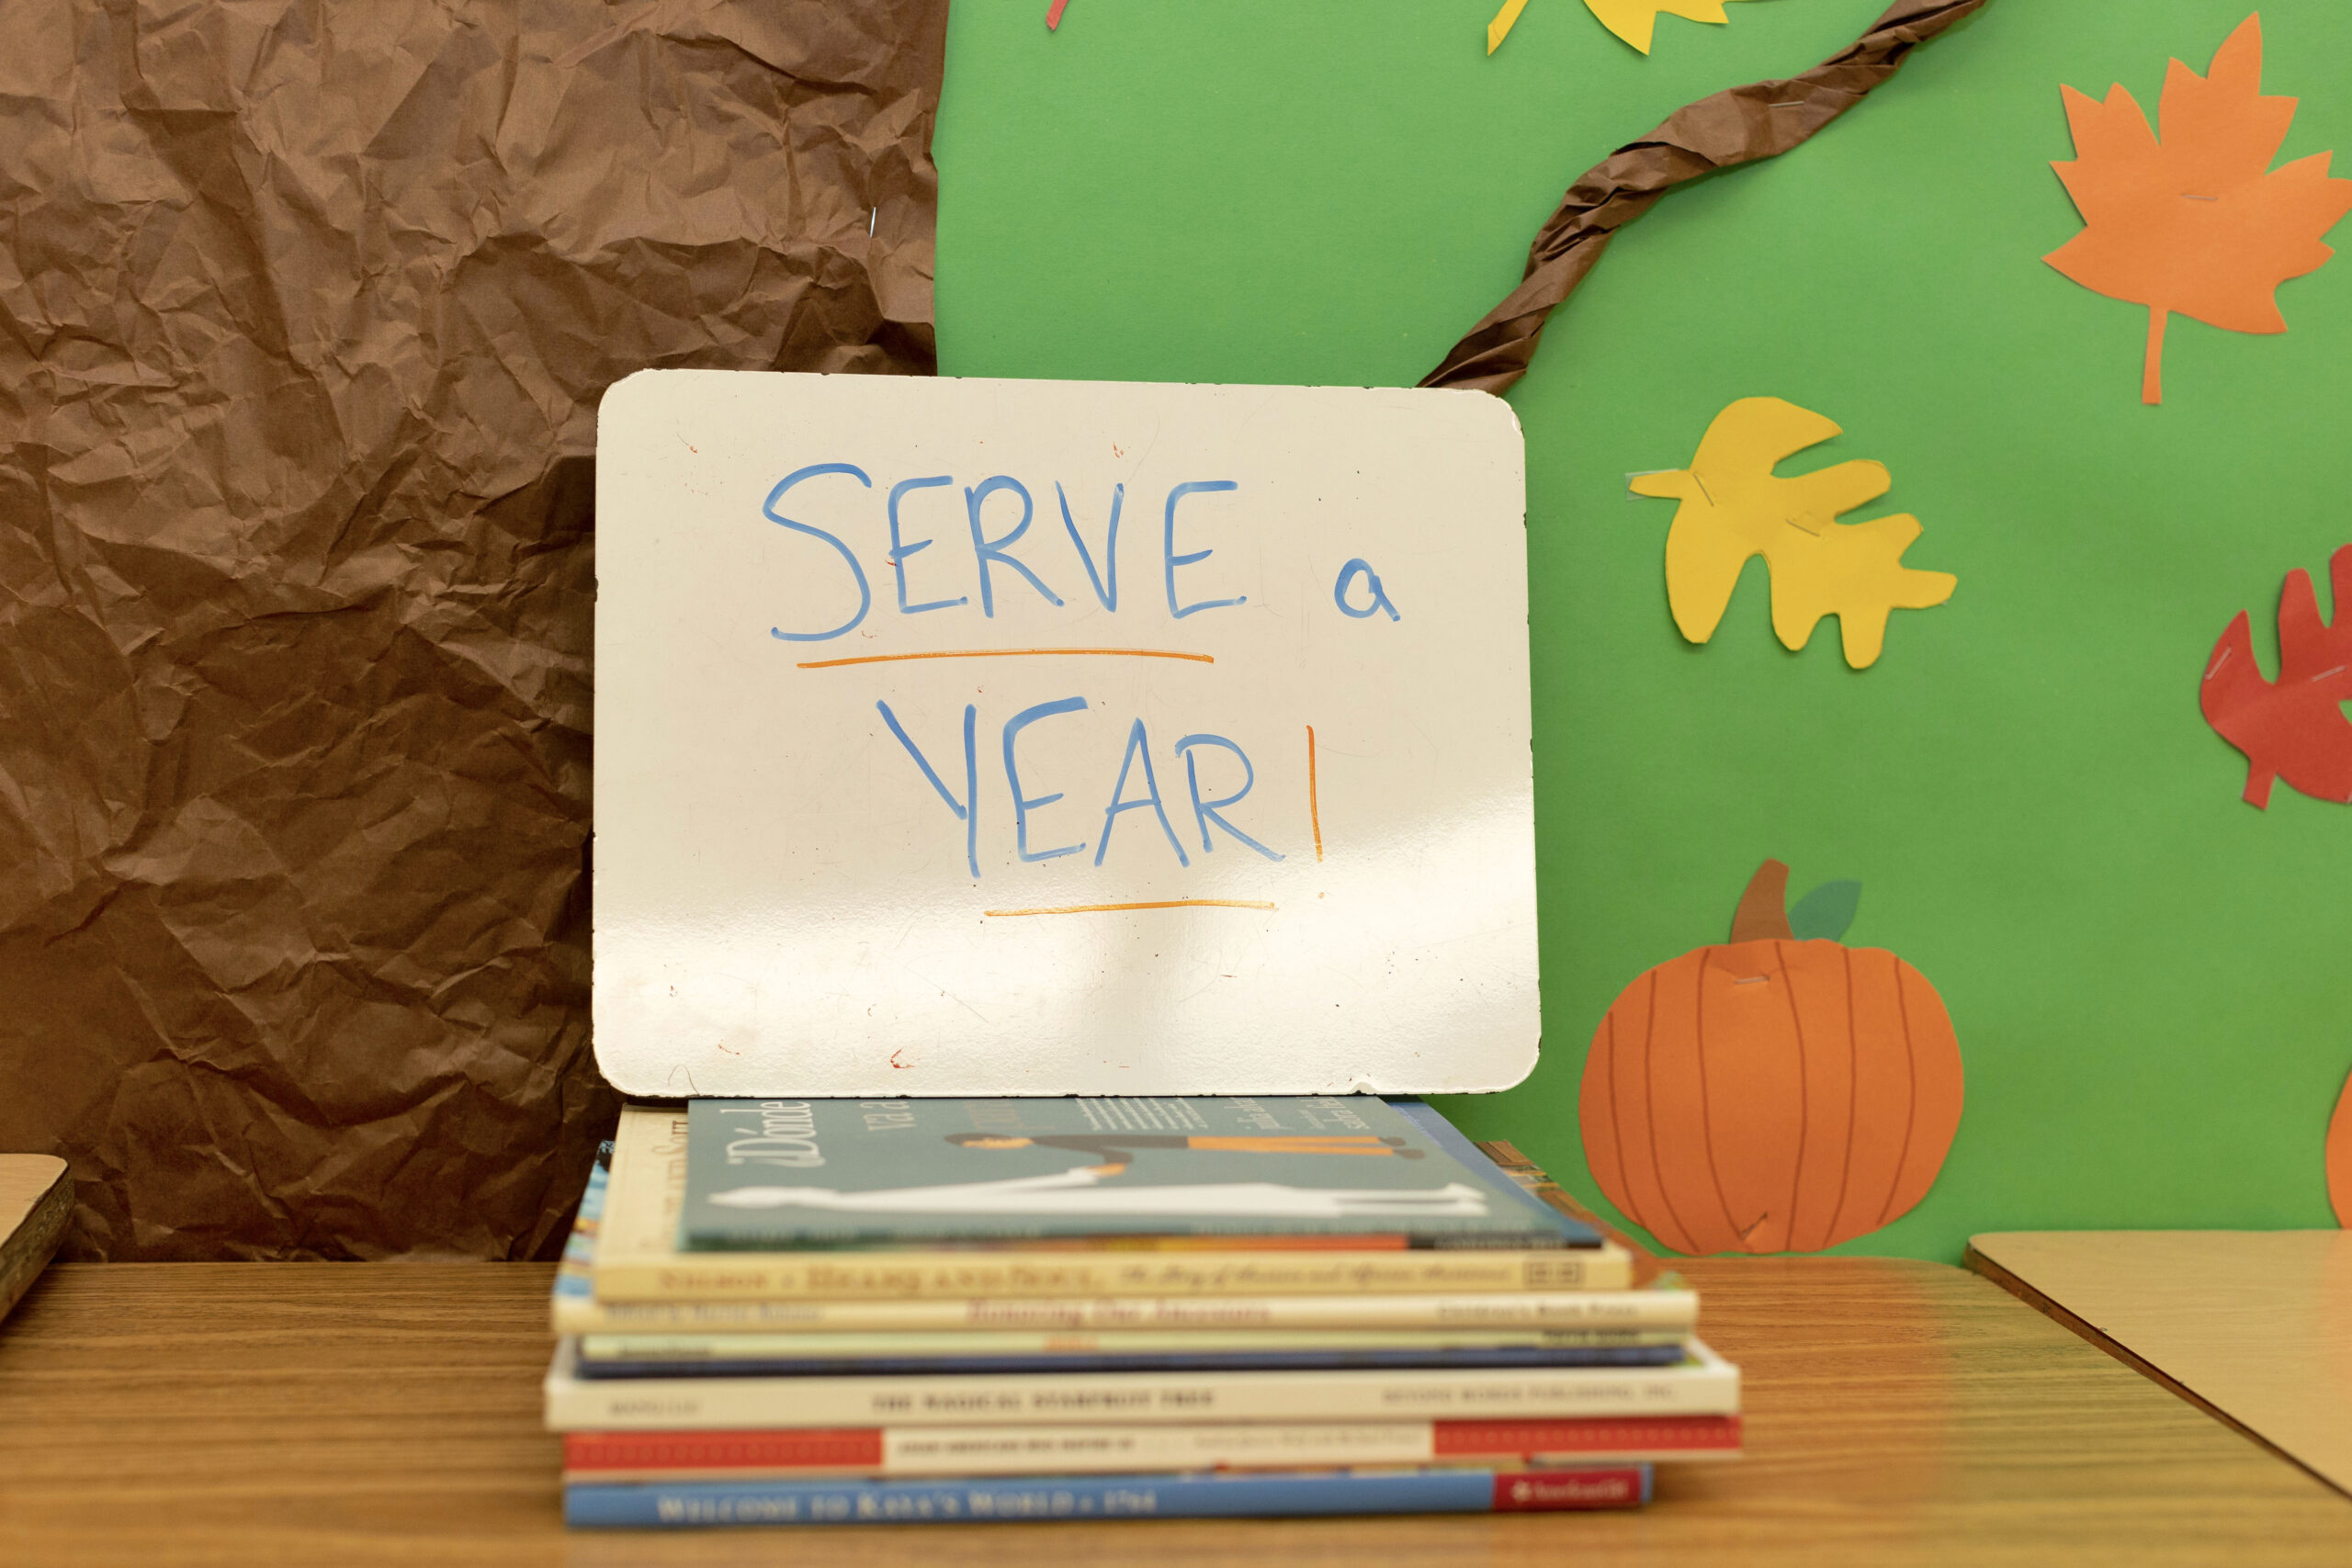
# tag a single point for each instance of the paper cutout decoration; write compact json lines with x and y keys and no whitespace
{"x":2339,"y":1158}
{"x":1054,"y":13}
{"x":1827,"y":912}
{"x":2194,"y":223}
{"x":1631,"y":20}
{"x":2293,"y":728}
{"x":1505,"y":20}
{"x":1770,"y":1095}
{"x":1739,"y":125}
{"x":1734,"y":506}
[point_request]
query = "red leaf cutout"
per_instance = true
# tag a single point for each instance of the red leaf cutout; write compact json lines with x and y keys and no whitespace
{"x":2293,"y":728}
{"x":2338,"y":1152}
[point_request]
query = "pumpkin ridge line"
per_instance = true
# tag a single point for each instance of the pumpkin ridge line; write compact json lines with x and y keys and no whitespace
{"x":1649,"y":1083}
{"x":1911,"y":1121}
{"x":1706,"y":1106}
{"x":1796,"y":1165}
{"x":1853,"y":1103}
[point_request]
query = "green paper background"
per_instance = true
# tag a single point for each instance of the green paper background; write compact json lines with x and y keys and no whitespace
{"x":2152,"y":981}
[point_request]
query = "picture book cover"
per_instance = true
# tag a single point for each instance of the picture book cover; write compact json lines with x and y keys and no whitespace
{"x":774,"y":1174}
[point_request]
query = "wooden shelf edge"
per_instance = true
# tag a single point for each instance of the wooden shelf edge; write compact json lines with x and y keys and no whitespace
{"x":26,"y":1248}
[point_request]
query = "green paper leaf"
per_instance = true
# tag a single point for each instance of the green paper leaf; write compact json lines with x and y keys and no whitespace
{"x":1827,"y":912}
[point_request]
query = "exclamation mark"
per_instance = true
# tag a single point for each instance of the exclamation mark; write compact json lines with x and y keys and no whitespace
{"x":1314,"y":810}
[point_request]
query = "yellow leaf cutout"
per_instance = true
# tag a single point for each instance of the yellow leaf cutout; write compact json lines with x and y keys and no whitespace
{"x":1734,"y":506}
{"x":1632,"y":20}
{"x":1505,"y":20}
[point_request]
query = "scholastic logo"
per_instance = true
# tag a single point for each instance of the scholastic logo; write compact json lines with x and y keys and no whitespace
{"x":1598,"y":1489}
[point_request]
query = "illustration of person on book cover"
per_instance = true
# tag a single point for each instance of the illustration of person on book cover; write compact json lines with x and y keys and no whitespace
{"x":1079,"y":1190}
{"x":880,"y":1168}
{"x":1115,"y":1151}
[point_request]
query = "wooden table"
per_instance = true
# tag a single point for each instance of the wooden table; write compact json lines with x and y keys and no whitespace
{"x":1899,"y":1413}
{"x":2254,"y":1325}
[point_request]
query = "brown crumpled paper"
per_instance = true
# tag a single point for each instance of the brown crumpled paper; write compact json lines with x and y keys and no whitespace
{"x":309,"y":308}
{"x":1741,"y":125}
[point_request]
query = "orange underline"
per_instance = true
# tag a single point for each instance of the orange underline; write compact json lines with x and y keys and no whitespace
{"x":1166,"y":904}
{"x":1010,"y":653}
{"x":1314,"y":810}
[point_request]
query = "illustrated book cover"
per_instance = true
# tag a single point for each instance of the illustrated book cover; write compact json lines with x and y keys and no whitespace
{"x":769,"y":1174}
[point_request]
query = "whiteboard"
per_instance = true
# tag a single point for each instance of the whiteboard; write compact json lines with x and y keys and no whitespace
{"x":899,"y":795}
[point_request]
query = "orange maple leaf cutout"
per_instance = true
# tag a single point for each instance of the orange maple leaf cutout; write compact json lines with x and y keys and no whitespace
{"x":2294,"y":727}
{"x":2198,"y":223}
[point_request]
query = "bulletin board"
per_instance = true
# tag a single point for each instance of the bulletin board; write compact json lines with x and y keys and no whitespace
{"x":311,"y":328}
{"x":2150,"y":979}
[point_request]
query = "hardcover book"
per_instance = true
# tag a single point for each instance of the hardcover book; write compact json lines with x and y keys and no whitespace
{"x":893,"y":1357}
{"x":643,"y":1231}
{"x":1702,"y":1384}
{"x":1128,"y":1446}
{"x":1183,"y":1494}
{"x":765,"y":1175}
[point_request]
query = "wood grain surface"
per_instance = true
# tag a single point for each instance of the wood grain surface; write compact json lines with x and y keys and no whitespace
{"x":2255,"y":1324}
{"x":256,"y":1413}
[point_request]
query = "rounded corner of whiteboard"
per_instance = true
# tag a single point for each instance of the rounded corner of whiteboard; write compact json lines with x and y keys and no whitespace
{"x":622,"y":399}
{"x":1506,"y":417}
{"x":626,"y":1071}
{"x":1509,"y":1069}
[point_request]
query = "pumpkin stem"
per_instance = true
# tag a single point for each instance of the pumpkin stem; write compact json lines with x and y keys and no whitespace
{"x":1763,"y":912}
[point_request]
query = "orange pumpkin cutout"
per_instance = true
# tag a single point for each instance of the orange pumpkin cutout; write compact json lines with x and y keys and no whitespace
{"x":1770,"y":1095}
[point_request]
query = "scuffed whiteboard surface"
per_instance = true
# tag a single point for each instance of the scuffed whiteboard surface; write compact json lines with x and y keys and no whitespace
{"x":807,"y":883}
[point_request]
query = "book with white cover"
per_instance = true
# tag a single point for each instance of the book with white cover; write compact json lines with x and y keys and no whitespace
{"x":1111,"y":1448}
{"x":1705,"y":1384}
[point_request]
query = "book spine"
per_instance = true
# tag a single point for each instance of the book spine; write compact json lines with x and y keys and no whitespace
{"x":1645,"y":1312}
{"x":1112,"y":1497}
{"x":960,"y":1275}
{"x":1433,"y":1126}
{"x":1634,"y":1437}
{"x":652,"y":1403}
{"x":648,"y":1186}
{"x":1127,"y":1235}
{"x":1030,"y":1450}
{"x":1061,"y":1361}
{"x":798,"y":1349}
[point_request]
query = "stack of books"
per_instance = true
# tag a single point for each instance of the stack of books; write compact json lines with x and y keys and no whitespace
{"x":829,"y":1311}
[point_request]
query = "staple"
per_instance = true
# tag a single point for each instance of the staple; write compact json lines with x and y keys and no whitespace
{"x":871,"y":219}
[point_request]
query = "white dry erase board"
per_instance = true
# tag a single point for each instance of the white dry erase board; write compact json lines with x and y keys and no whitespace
{"x":969,"y":737}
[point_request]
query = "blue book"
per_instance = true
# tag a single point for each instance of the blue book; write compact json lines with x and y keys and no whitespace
{"x":1189,"y":1494}
{"x":1153,"y":1361}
